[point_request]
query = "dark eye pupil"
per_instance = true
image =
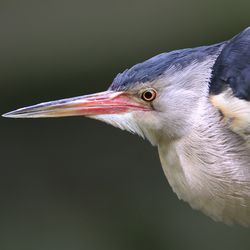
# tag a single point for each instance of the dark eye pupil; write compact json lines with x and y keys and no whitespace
{"x":148,"y":95}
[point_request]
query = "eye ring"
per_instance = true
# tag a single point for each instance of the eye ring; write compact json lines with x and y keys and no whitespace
{"x":148,"y":95}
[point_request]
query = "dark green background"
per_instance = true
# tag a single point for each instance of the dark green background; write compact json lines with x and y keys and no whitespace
{"x":75,"y":183}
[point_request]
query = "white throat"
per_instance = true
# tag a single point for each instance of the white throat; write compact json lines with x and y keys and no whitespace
{"x":124,"y":121}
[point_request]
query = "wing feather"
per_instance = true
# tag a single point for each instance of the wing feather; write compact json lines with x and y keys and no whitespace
{"x":230,"y":83}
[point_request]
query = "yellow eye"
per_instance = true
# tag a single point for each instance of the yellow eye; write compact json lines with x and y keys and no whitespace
{"x":148,"y":95}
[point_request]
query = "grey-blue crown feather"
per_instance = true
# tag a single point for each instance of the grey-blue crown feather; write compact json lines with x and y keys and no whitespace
{"x":154,"y":67}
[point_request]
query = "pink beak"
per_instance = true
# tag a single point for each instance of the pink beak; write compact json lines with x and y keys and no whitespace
{"x":107,"y":102}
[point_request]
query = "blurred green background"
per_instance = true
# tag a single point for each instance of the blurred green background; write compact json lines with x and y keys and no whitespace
{"x":75,"y":183}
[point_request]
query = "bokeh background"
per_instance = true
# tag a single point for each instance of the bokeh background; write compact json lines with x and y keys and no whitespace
{"x":75,"y":183}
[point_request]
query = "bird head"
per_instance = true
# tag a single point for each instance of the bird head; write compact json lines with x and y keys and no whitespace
{"x":154,"y":99}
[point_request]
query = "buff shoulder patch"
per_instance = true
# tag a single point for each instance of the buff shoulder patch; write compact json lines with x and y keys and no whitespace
{"x":235,"y":111}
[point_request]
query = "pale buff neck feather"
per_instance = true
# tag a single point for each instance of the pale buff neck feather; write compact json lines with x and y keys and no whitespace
{"x":210,"y":169}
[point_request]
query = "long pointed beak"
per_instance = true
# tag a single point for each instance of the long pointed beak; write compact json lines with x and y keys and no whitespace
{"x":107,"y":102}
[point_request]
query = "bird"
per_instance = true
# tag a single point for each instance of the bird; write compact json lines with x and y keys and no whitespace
{"x":192,"y":104}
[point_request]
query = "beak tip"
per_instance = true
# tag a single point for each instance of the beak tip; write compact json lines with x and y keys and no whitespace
{"x":7,"y":115}
{"x":12,"y":114}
